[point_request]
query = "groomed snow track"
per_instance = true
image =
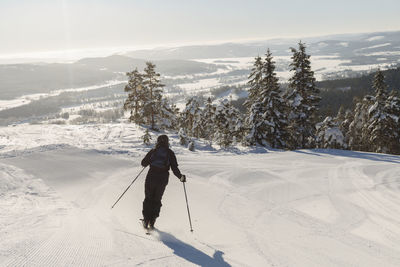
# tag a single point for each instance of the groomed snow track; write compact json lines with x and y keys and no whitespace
{"x":301,"y":208}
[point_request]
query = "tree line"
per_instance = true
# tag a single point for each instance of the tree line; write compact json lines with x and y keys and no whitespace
{"x":275,"y":118}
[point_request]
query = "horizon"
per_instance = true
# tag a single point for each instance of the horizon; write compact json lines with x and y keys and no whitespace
{"x":72,"y":55}
{"x":67,"y":26}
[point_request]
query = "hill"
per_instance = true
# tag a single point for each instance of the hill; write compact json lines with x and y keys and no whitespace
{"x":339,"y":92}
{"x":356,"y":49}
{"x":170,"y":67}
{"x":249,"y":207}
{"x":21,"y":79}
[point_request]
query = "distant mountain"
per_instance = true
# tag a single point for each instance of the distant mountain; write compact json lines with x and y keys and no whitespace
{"x":364,"y":48}
{"x":119,"y":63}
{"x":20,"y":79}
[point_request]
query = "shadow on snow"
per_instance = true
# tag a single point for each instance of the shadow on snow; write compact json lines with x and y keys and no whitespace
{"x":190,"y":253}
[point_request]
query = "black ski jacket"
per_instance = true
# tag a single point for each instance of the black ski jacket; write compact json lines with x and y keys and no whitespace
{"x":173,"y":164}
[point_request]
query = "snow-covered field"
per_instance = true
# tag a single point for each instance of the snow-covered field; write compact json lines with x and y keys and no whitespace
{"x":26,"y":99}
{"x":249,"y":207}
{"x":323,"y":66}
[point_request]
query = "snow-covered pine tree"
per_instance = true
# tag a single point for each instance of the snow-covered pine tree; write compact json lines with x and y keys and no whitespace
{"x":329,"y":135}
{"x":153,"y":88}
{"x":190,"y":117}
{"x":273,"y":124}
{"x":176,"y":114}
{"x":222,"y":135}
{"x":146,"y":137}
{"x":254,"y":123}
{"x":228,"y":124}
{"x":255,"y":82}
{"x":358,"y":133}
{"x":183,"y":139}
{"x":167,"y":118}
{"x":393,"y":109}
{"x":302,"y":100}
{"x":340,"y":117}
{"x":345,"y":124}
{"x":253,"y":119}
{"x":236,"y":124}
{"x":134,"y":100}
{"x":380,"y":86}
{"x":207,"y":121}
{"x":379,"y":131}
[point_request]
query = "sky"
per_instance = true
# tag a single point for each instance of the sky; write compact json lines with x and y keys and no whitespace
{"x":33,"y":26}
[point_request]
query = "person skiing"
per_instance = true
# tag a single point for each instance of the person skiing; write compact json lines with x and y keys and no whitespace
{"x":161,"y":159}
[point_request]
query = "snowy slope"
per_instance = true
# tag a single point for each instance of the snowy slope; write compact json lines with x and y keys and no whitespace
{"x":249,"y":207}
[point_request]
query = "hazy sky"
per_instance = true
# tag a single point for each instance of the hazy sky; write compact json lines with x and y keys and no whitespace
{"x":42,"y":25}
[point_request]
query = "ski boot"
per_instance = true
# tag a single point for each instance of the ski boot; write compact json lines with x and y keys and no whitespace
{"x":151,"y":224}
{"x":145,"y":223}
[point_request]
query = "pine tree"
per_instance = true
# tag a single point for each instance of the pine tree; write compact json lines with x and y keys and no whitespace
{"x":358,"y":133}
{"x":255,"y":82}
{"x":183,"y":139}
{"x":153,"y":89}
{"x":134,"y":100}
{"x":167,"y":117}
{"x":207,"y":121}
{"x":380,"y":131}
{"x":380,"y":86}
{"x":254,"y":123}
{"x":345,"y":124}
{"x":236,"y":124}
{"x":340,"y":117}
{"x":146,"y":137}
{"x":254,"y":111}
{"x":228,"y":124}
{"x":393,"y":123}
{"x":329,"y":135}
{"x":265,"y":120}
{"x":302,"y":100}
{"x":272,"y":106}
{"x":146,"y":102}
{"x":190,"y":117}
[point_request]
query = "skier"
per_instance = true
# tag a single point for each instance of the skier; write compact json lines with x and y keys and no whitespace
{"x":160,"y":159}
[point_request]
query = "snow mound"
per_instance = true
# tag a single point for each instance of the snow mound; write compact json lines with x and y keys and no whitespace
{"x":15,"y":180}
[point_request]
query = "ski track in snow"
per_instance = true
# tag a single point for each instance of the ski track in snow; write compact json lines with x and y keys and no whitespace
{"x":301,"y":208}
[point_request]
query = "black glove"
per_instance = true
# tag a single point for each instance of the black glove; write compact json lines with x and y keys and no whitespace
{"x":183,"y":178}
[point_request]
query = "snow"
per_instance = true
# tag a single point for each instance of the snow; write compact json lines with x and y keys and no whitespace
{"x":249,"y":206}
{"x":384,"y":53}
{"x":200,"y":84}
{"x":322,"y":44}
{"x":297,"y":101}
{"x":375,"y":38}
{"x":334,"y":134}
{"x":322,"y":65}
{"x":373,"y":107}
{"x":26,"y":99}
{"x":374,"y":46}
{"x":233,"y":63}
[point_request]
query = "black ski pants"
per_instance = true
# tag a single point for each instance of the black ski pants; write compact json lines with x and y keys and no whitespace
{"x":154,"y":189}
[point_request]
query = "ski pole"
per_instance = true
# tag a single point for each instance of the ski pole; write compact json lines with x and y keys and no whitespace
{"x":127,"y":188}
{"x":187,"y":205}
